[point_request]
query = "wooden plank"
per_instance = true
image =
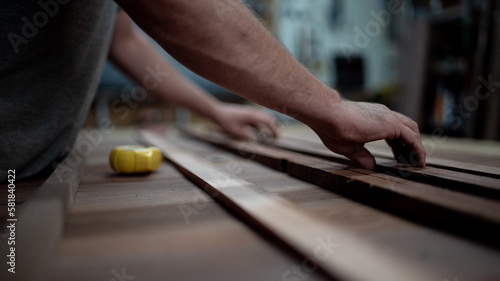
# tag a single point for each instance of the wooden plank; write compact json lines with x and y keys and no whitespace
{"x":444,"y":209}
{"x":40,"y":222}
{"x":216,"y":245}
{"x":459,"y":166}
{"x":160,"y":224}
{"x":303,"y":233}
{"x":402,"y":238}
{"x":488,"y":187}
{"x":440,"y":157}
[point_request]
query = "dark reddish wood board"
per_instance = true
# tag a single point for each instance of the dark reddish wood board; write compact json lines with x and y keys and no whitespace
{"x":424,"y":203}
{"x":486,"y":186}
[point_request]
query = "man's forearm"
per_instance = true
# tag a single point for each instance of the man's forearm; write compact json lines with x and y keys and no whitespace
{"x":140,"y":60}
{"x":225,"y":43}
{"x":224,"y":49}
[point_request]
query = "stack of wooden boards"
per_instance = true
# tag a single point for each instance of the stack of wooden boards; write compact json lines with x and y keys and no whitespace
{"x":244,"y":211}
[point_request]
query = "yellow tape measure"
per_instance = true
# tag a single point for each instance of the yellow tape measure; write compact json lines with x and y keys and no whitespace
{"x":135,"y":159}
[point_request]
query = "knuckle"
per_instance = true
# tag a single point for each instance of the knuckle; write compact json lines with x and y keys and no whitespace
{"x":414,"y":125}
{"x":383,"y":107}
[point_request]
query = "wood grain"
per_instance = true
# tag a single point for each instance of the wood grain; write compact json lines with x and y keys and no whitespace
{"x":408,"y":241}
{"x":485,"y":186}
{"x":459,"y":166}
{"x":468,"y":156}
{"x":134,"y":223}
{"x":286,"y":222}
{"x":159,"y":226}
{"x":441,"y":208}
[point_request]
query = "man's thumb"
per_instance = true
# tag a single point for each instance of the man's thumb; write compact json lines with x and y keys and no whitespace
{"x":364,"y":158}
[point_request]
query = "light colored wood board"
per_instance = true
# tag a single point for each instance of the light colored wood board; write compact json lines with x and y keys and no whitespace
{"x":288,"y":223}
{"x":40,"y":222}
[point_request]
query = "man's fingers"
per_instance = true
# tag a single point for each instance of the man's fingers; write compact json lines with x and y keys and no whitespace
{"x":267,"y":129}
{"x":364,"y":158}
{"x":396,"y":147}
{"x":270,"y":123}
{"x":407,"y":146}
{"x":401,"y":152}
{"x":408,"y":123}
{"x":239,"y":132}
{"x":412,"y":145}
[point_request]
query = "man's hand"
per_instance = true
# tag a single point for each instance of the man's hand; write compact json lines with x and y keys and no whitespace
{"x":235,"y":120}
{"x":236,"y":51}
{"x":349,"y":125}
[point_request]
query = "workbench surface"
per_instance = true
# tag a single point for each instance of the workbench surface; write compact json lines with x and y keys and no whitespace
{"x":162,"y":226}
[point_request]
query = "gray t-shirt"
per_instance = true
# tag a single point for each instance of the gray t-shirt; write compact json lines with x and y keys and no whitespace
{"x":51,"y":57}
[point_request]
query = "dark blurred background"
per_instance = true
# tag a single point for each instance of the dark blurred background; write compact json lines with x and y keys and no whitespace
{"x":434,"y":60}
